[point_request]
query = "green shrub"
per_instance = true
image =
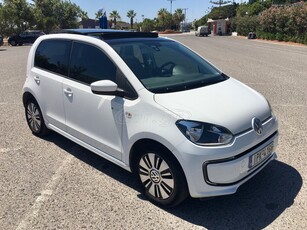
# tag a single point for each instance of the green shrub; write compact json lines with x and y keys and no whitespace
{"x":286,"y":38}
{"x":246,"y":24}
{"x":279,"y":37}
{"x":284,"y":23}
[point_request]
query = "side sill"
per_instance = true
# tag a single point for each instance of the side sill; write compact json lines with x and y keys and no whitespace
{"x":90,"y":148}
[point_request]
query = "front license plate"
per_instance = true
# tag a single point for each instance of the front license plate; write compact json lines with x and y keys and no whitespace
{"x":260,"y":156}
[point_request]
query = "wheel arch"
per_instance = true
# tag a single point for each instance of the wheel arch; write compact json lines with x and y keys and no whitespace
{"x":146,"y":143}
{"x":27,"y":96}
{"x":43,"y":129}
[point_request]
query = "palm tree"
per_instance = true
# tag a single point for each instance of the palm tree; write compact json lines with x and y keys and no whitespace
{"x":178,"y":17}
{"x":99,"y":14}
{"x":162,"y":14}
{"x":114,"y":15}
{"x":131,"y":14}
{"x":83,"y":15}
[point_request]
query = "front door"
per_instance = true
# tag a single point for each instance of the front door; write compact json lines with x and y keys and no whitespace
{"x":94,"y":119}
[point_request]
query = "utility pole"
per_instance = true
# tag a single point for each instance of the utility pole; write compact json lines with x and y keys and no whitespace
{"x":185,"y":14}
{"x":171,"y":5}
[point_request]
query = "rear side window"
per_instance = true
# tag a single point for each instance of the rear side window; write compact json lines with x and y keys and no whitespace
{"x":53,"y":56}
{"x":89,"y":64}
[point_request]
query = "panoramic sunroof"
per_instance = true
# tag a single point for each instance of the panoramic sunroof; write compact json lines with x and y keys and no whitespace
{"x":108,"y":33}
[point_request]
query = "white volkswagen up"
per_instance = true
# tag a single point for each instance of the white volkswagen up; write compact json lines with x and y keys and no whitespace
{"x":151,"y":106}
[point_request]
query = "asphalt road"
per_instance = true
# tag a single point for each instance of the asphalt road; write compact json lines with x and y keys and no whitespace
{"x":53,"y":183}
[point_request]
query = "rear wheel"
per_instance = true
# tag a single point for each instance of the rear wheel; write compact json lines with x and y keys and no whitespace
{"x":161,"y":177}
{"x":35,"y":118}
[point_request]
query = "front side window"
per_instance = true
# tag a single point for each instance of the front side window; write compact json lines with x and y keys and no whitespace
{"x":53,"y":56}
{"x":89,"y":64}
{"x":166,"y":66}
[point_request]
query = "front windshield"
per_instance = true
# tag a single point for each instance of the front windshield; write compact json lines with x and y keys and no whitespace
{"x":166,"y":66}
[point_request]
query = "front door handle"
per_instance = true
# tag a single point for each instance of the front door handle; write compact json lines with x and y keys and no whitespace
{"x":68,"y":92}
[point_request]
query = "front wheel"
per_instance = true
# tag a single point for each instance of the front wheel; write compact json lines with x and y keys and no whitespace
{"x":161,"y":177}
{"x":35,"y":118}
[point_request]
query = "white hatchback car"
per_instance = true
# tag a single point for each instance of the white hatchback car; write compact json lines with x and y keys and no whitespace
{"x":151,"y":106}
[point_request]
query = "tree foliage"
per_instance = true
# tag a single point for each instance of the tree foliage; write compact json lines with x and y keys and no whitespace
{"x":148,"y":25}
{"x":246,"y":24}
{"x":164,"y":16}
{"x":200,"y":22}
{"x":287,"y":23}
{"x":46,"y":15}
{"x":178,"y":17}
{"x":15,"y":16}
{"x":98,"y":14}
{"x":227,"y":11}
{"x":278,"y":22}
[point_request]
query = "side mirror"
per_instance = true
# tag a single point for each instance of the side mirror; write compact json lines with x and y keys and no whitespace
{"x":106,"y":87}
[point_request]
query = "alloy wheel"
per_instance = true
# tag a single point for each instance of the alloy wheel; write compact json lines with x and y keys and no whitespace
{"x":34,"y":117}
{"x":156,"y":176}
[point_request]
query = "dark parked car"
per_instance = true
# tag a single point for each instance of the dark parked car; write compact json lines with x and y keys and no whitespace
{"x":1,"y":40}
{"x":28,"y":36}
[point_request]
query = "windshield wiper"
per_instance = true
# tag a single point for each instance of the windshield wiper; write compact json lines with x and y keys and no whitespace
{"x":192,"y":85}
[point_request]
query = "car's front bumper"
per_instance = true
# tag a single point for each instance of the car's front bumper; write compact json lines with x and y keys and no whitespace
{"x":215,"y":171}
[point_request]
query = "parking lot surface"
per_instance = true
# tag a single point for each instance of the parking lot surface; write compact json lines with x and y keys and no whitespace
{"x":52,"y":183}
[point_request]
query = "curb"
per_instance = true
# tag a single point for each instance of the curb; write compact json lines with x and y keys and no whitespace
{"x":273,"y":41}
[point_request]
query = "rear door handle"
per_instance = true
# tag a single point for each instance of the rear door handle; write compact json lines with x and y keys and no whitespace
{"x":68,"y":92}
{"x":37,"y":80}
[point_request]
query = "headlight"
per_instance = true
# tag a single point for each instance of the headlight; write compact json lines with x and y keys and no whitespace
{"x":204,"y":133}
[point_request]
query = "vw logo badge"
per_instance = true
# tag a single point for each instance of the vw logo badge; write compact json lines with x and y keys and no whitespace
{"x":257,"y":125}
{"x":155,"y":176}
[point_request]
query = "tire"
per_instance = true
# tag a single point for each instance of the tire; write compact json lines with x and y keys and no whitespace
{"x":35,"y":118}
{"x":161,"y":177}
{"x":13,"y":43}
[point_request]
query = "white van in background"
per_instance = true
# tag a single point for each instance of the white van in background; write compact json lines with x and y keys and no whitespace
{"x":202,"y":31}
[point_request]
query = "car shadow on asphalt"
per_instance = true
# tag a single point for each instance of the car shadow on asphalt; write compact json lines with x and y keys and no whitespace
{"x":256,"y":204}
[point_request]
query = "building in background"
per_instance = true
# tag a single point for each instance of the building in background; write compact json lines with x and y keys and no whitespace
{"x":219,"y":26}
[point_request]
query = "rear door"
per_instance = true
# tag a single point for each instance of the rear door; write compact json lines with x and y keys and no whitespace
{"x":50,"y":68}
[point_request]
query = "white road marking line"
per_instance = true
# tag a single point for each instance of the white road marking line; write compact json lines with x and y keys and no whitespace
{"x":290,"y":105}
{"x":44,"y":196}
{"x":5,"y":150}
{"x":10,"y":103}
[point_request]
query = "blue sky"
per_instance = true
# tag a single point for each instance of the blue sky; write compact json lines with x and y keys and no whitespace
{"x":148,"y":8}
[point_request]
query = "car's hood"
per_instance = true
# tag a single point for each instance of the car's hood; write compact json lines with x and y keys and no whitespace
{"x":229,"y":103}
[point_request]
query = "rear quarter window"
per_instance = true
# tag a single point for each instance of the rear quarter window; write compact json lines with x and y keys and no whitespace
{"x":53,"y":56}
